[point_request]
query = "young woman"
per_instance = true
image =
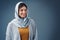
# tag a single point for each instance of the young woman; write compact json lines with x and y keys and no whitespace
{"x":21,"y":27}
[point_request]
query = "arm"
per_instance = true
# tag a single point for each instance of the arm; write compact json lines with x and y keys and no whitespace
{"x":9,"y":32}
{"x":36,"y":35}
{"x":35,"y":32}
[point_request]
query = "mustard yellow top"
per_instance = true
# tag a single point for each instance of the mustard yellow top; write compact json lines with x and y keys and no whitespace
{"x":24,"y":33}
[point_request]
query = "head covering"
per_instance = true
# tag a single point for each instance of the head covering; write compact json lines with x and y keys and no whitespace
{"x":22,"y":22}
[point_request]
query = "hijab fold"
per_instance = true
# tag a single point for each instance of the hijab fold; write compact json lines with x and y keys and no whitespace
{"x":22,"y":22}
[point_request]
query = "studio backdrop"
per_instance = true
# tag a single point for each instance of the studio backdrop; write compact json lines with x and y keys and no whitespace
{"x":44,"y":12}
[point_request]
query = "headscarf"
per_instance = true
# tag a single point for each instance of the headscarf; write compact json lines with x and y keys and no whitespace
{"x":22,"y":22}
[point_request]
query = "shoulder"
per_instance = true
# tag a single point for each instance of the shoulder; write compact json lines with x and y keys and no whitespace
{"x":10,"y":24}
{"x":33,"y":24}
{"x":32,"y":21}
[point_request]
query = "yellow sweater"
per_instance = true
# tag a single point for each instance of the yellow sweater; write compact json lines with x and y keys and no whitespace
{"x":24,"y":33}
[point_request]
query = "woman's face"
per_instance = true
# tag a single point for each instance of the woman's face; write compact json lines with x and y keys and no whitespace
{"x":22,"y":12}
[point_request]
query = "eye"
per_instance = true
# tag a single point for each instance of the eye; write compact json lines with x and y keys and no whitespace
{"x":25,"y":9}
{"x":21,"y":10}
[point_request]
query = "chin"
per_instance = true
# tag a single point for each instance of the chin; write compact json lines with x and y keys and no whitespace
{"x":23,"y":17}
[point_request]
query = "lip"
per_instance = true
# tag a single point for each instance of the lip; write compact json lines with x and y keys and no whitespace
{"x":23,"y":14}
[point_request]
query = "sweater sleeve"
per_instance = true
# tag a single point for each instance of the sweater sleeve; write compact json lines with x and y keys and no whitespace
{"x":9,"y":32}
{"x":36,"y":35}
{"x":35,"y":32}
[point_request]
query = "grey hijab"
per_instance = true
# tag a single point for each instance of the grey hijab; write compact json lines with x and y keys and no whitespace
{"x":21,"y":22}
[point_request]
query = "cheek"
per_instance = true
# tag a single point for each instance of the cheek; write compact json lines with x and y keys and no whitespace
{"x":20,"y":13}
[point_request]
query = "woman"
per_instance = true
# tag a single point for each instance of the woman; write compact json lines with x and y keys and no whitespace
{"x":22,"y":27}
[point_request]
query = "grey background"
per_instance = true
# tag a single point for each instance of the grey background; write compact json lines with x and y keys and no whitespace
{"x":46,"y":14}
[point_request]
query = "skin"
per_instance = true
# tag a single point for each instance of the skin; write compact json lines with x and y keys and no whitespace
{"x":23,"y":12}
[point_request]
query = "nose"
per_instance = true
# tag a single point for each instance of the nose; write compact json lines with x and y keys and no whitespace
{"x":24,"y":11}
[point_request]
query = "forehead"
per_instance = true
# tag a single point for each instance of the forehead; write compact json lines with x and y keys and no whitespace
{"x":23,"y":7}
